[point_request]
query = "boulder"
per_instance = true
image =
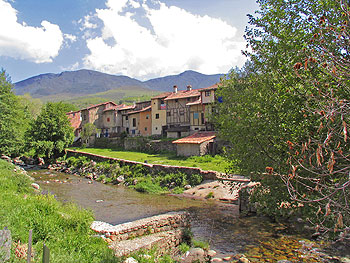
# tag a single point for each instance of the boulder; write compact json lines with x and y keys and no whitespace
{"x":187,"y":187}
{"x":211,"y":253}
{"x":120,"y":179}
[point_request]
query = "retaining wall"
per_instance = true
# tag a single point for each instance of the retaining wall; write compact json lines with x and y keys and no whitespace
{"x":152,"y":168}
{"x":141,"y":227}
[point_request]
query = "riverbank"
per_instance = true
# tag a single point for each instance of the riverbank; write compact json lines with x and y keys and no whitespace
{"x":64,"y":228}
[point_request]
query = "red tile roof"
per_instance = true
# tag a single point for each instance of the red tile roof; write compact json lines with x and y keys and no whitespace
{"x":141,"y":110}
{"x":215,"y":86}
{"x":197,"y":138}
{"x":115,"y":107}
{"x":127,"y":107}
{"x":196,"y":102}
{"x":183,"y":94}
{"x":162,"y":95}
{"x":97,"y":105}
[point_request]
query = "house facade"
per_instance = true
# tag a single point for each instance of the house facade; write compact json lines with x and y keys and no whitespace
{"x":178,"y":112}
{"x":159,"y":124}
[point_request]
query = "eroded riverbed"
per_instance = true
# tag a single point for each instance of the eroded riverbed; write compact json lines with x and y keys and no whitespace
{"x":217,"y":223}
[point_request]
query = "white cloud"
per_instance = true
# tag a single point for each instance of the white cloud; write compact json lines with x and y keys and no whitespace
{"x":20,"y":41}
{"x":177,"y":40}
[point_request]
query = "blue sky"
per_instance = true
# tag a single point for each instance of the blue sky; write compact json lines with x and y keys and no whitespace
{"x":138,"y":38}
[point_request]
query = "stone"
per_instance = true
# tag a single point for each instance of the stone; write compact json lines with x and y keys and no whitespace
{"x":120,"y":179}
{"x":35,"y":186}
{"x":216,"y":260}
{"x":345,"y":260}
{"x":130,"y":260}
{"x":211,"y":253}
{"x":284,"y":261}
{"x":227,"y":258}
{"x":5,"y":245}
{"x":195,"y":254}
{"x":187,"y":187}
{"x":244,"y":260}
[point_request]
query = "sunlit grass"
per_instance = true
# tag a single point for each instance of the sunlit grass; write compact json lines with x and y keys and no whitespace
{"x":207,"y":162}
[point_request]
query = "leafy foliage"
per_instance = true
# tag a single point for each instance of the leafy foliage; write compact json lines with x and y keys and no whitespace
{"x":51,"y":132}
{"x":89,"y":129}
{"x":286,"y":111}
{"x":14,"y":119}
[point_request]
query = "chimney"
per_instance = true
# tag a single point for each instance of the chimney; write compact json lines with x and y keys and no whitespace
{"x":175,"y":89}
{"x":189,"y":87}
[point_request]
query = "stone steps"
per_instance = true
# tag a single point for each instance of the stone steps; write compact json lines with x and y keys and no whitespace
{"x":164,"y":241}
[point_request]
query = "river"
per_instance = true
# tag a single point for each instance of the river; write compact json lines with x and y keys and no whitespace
{"x":217,"y":223}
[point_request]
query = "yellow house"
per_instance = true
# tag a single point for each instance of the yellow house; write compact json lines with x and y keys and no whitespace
{"x":159,"y":114}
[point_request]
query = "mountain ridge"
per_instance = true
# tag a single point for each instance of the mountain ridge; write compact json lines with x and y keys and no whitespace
{"x":70,"y":84}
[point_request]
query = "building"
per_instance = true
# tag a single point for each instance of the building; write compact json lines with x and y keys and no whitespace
{"x":75,"y":121}
{"x":178,"y":118}
{"x":138,"y":121}
{"x":112,"y":120}
{"x":199,"y":143}
{"x":159,"y":124}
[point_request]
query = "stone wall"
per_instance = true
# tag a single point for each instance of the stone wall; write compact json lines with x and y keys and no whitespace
{"x":164,"y":231}
{"x":150,"y":225}
{"x":152,"y":168}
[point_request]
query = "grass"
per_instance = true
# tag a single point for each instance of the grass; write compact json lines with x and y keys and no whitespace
{"x":207,"y":162}
{"x":65,"y":229}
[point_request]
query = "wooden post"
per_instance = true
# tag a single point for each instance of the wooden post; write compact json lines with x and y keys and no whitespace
{"x":46,"y":254}
{"x":29,"y":251}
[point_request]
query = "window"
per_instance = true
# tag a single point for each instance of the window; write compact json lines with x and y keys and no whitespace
{"x":182,"y":112}
{"x":157,"y":115}
{"x":202,"y":117}
{"x":196,"y":129}
{"x":188,"y":99}
{"x":145,"y":128}
{"x":147,"y":117}
{"x":126,"y":118}
{"x":195,"y":115}
{"x":176,"y":100}
{"x":168,"y":113}
{"x":207,"y":93}
{"x":108,"y":119}
{"x":156,"y":128}
{"x":134,"y":122}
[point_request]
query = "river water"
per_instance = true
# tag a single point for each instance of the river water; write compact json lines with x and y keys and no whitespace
{"x":217,"y":223}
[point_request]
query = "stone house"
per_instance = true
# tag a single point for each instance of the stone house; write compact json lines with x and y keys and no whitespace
{"x":112,"y":120}
{"x":197,"y":144}
{"x":94,"y":115}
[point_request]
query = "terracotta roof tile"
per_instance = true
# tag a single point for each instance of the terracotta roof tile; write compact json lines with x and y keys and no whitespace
{"x":196,"y":102}
{"x":141,"y":110}
{"x":127,"y":107}
{"x":97,"y":105}
{"x":197,"y":138}
{"x":215,"y":86}
{"x":183,"y":94}
{"x":162,"y":95}
{"x":115,"y":107}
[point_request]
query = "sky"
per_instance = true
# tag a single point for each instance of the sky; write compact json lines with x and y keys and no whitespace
{"x":142,"y":39}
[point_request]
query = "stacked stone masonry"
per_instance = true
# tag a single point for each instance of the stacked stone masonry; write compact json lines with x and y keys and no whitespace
{"x":153,"y":168}
{"x":164,"y":231}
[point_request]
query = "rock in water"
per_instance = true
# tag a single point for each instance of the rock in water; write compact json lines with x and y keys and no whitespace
{"x":35,"y":186}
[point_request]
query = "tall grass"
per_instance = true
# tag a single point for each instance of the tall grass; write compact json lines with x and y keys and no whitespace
{"x":65,"y":229}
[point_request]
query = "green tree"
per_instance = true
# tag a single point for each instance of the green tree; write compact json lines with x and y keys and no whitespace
{"x":50,"y":133}
{"x":89,"y":129}
{"x":14,"y":119}
{"x":279,"y":110}
{"x":33,"y":106}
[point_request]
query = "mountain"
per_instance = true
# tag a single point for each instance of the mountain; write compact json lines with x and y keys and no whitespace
{"x":77,"y":84}
{"x":195,"y":79}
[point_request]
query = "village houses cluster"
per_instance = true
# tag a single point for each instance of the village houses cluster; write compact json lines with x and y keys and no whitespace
{"x":174,"y":114}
